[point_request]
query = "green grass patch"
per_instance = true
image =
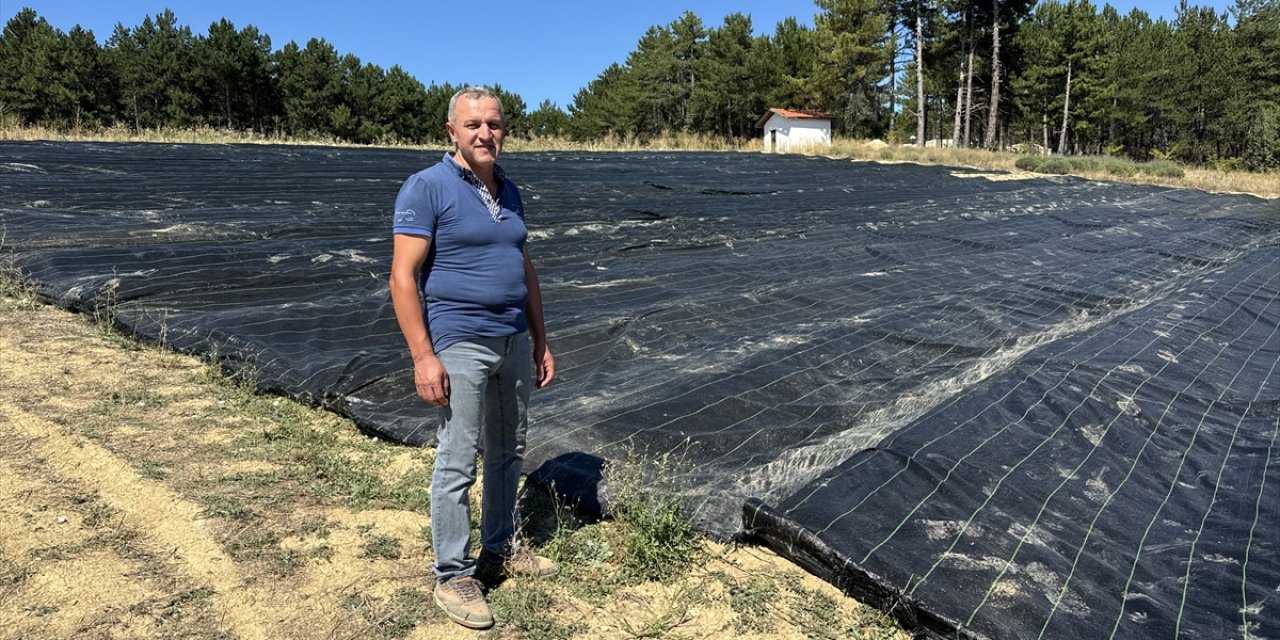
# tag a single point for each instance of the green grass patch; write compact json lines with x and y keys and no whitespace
{"x":751,"y":600}
{"x":228,"y":507}
{"x":252,"y":542}
{"x":527,"y":611}
{"x":1120,"y":168}
{"x":658,"y":540}
{"x":382,"y":546}
{"x":412,"y":491}
{"x":587,"y":562}
{"x":318,"y":527}
{"x":153,"y":470}
{"x":816,"y":615}
{"x":285,"y":562}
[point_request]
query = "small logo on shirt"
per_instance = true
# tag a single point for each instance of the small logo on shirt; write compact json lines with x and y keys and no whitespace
{"x":405,"y":216}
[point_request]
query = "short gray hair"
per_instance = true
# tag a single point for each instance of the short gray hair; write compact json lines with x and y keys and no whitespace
{"x":473,"y":93}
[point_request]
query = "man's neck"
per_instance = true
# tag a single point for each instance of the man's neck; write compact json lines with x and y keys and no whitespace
{"x":481,"y":171}
{"x":485,"y":173}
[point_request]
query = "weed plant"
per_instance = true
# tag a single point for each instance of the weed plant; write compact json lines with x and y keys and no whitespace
{"x":658,"y":540}
{"x":528,"y":611}
{"x":382,"y":546}
{"x":16,"y":288}
{"x":751,"y":600}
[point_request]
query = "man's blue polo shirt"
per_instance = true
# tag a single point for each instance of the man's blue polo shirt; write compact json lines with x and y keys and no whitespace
{"x":473,"y":280}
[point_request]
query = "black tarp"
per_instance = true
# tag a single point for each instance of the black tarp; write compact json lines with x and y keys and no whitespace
{"x":1036,"y":408}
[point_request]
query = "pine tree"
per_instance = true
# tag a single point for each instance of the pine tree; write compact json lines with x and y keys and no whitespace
{"x":547,"y":121}
{"x":853,"y":59}
{"x":311,"y":84}
{"x":235,"y":68}
{"x":723,"y":101}
{"x":607,"y":105}
{"x":29,"y":85}
{"x":794,"y":49}
{"x":84,"y":80}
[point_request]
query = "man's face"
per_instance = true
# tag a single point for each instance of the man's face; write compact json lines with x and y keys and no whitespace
{"x":477,"y":131}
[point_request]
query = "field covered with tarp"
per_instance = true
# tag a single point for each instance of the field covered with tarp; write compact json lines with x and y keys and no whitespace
{"x":1005,"y":408}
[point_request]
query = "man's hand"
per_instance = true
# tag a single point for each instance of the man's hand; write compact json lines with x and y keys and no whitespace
{"x":545,"y":365}
{"x":431,"y":380}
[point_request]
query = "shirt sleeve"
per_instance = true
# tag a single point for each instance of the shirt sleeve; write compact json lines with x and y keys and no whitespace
{"x":416,"y":210}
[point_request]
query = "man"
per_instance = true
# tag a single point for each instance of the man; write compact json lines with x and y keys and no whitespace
{"x":459,"y":251}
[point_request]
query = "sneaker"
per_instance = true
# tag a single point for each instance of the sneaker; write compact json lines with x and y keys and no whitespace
{"x":530,"y":564}
{"x":522,"y":563}
{"x":462,"y":599}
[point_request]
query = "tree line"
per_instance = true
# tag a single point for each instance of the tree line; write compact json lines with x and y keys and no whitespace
{"x":161,"y":75}
{"x":1064,"y":75}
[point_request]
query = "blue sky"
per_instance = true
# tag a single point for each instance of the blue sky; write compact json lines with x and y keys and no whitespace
{"x":540,"y":50}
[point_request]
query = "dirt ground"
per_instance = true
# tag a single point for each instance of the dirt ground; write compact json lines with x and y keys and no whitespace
{"x":142,"y":496}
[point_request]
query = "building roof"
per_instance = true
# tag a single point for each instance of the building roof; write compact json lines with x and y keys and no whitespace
{"x":802,"y":114}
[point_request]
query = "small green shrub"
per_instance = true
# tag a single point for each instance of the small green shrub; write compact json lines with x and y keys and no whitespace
{"x":587,"y":561}
{"x":1229,"y":164}
{"x":1085,"y":163}
{"x":1029,"y":163}
{"x":1120,"y":168}
{"x":1056,"y":165}
{"x":1162,"y":169}
{"x":659,"y":541}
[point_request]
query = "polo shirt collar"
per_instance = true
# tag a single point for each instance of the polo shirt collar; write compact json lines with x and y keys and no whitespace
{"x":499,"y":175}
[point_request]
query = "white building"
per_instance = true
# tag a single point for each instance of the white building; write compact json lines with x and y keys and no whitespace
{"x":788,"y":130}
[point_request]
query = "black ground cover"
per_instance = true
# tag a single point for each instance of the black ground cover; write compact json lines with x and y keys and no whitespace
{"x":1004,"y":408}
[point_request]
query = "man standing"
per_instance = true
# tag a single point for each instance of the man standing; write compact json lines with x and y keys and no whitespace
{"x":467,"y":300}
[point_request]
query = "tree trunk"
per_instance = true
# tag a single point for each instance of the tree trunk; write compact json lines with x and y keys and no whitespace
{"x":989,"y":139}
{"x":955,"y":128}
{"x":226,"y":104}
{"x":920,"y":101}
{"x":1066,"y":111}
{"x":893,"y":82}
{"x":1044,"y":131}
{"x":968,"y":97}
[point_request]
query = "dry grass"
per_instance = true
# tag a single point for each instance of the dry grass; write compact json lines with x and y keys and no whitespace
{"x":1265,"y":185}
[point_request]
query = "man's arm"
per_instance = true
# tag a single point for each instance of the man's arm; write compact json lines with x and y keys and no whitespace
{"x":429,"y":376}
{"x":543,"y":363}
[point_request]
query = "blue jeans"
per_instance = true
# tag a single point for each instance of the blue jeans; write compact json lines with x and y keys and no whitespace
{"x":489,"y":380}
